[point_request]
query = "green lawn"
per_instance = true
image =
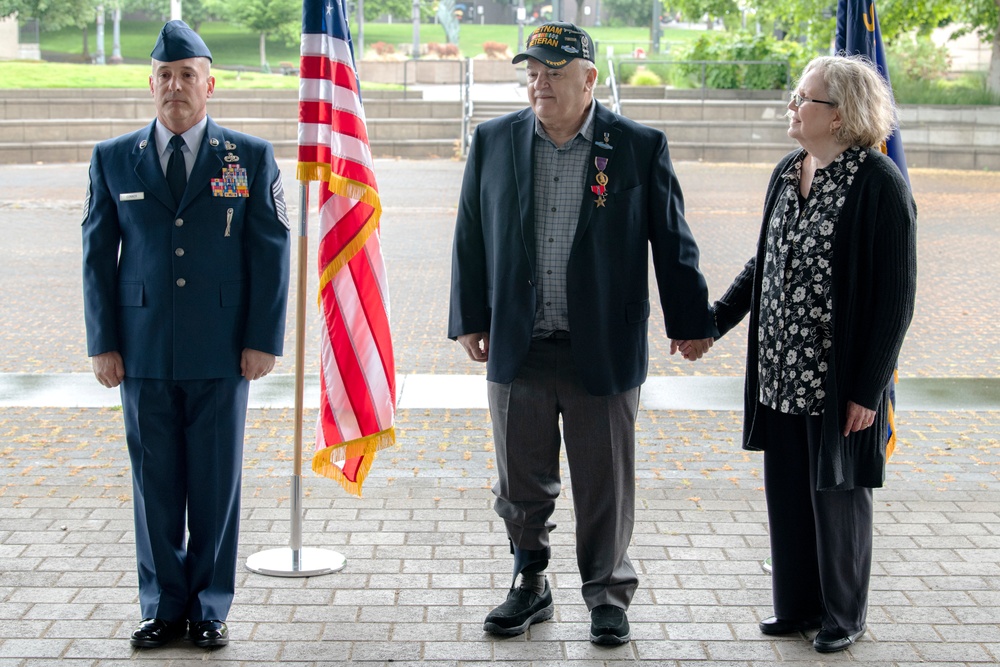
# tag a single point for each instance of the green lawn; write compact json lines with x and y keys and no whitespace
{"x":233,"y":46}
{"x":20,"y":74}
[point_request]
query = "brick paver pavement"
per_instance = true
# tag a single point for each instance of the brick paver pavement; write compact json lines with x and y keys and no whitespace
{"x":426,"y":554}
{"x":427,"y":557}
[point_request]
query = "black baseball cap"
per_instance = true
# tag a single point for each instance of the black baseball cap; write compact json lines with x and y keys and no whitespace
{"x":556,"y":44}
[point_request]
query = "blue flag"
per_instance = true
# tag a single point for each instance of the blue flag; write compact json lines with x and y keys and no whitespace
{"x":858,"y":33}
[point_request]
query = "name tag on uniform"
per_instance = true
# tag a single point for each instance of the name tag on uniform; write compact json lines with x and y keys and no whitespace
{"x":131,"y":196}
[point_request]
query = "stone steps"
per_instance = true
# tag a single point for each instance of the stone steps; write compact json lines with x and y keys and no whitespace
{"x":63,"y":125}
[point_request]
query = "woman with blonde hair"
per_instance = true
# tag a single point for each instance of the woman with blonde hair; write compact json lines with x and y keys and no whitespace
{"x":830,"y":295}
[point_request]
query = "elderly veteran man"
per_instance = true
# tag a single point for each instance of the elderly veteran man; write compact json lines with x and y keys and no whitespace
{"x":560,"y":206}
{"x":185,"y":267}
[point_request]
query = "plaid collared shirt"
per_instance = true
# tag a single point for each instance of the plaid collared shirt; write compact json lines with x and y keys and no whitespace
{"x":559,"y":178}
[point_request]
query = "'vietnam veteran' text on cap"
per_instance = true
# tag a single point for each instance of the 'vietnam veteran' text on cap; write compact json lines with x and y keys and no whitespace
{"x":556,"y":44}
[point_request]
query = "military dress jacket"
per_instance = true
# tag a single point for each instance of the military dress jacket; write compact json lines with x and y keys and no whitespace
{"x":180,"y":289}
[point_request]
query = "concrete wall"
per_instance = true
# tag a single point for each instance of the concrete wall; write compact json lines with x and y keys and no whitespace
{"x":8,"y":38}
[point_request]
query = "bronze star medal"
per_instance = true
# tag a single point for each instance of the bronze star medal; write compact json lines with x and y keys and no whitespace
{"x":602,"y":181}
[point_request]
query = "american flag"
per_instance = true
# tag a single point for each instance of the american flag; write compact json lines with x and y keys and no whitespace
{"x":357,"y":372}
{"x":859,"y":33}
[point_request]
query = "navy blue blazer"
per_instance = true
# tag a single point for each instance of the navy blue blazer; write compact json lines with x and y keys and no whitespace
{"x":493,"y":259}
{"x":180,"y":291}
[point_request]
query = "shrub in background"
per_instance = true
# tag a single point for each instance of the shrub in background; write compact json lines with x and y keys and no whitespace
{"x":921,"y":74}
{"x":497,"y":51}
{"x":730,"y":46}
{"x":435,"y":50}
{"x":645,"y":77}
{"x":917,"y":58}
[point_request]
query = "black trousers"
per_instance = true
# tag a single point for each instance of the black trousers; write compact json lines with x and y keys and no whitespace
{"x":821,"y":541}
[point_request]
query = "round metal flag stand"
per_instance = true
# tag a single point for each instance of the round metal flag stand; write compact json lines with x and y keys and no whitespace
{"x":294,"y":560}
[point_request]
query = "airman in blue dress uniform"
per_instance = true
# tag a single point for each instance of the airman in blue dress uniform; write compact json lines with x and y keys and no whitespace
{"x":185,"y":267}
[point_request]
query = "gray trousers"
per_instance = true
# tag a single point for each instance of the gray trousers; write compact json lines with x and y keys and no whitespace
{"x":599,"y":432}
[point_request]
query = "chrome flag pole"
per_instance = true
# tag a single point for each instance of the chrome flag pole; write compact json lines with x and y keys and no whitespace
{"x":296,"y":560}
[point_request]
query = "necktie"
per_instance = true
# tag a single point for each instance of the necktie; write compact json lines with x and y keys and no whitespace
{"x":176,"y":173}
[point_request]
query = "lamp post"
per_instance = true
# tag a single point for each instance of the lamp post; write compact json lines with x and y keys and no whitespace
{"x":416,"y":29}
{"x":116,"y":32}
{"x":100,"y":35}
{"x":521,"y":15}
{"x":655,"y":41}
{"x":360,"y":38}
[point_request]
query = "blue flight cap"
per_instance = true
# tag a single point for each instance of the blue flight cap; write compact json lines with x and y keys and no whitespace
{"x":177,"y":41}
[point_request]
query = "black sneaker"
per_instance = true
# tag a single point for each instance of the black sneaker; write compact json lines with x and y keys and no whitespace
{"x":522,"y":609}
{"x":609,"y":625}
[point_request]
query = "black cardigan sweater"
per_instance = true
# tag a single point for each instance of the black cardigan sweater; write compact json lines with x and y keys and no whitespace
{"x":874,"y":287}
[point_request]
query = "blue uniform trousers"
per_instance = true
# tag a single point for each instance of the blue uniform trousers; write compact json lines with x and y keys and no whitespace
{"x":185,"y":441}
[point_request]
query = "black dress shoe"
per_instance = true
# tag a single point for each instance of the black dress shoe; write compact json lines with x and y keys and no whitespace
{"x":522,"y":609}
{"x":207,"y":634}
{"x":609,"y":625}
{"x":779,"y":626}
{"x":156,"y":632}
{"x":831,"y":642}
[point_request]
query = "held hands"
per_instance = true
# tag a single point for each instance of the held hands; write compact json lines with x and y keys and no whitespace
{"x":858,"y":418}
{"x":108,"y":368}
{"x":476,"y":345}
{"x":692,"y":350}
{"x":255,"y":364}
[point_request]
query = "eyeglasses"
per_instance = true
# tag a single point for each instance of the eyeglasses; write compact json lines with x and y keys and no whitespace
{"x":797,"y":100}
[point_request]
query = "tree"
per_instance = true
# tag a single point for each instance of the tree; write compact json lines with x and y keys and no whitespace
{"x":983,"y":18}
{"x":51,"y":14}
{"x":280,"y":18}
{"x":401,"y":9}
{"x":979,"y":16}
{"x":897,"y":17}
{"x":627,"y":12}
{"x":812,"y":22}
{"x":692,"y":10}
{"x":194,"y":11}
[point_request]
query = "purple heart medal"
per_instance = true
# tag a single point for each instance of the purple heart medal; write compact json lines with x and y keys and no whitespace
{"x":602,"y":181}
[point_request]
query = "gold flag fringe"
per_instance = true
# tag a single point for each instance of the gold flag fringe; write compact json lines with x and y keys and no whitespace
{"x":366,"y":447}
{"x":312,"y":171}
{"x":323,"y":460}
{"x":890,"y":446}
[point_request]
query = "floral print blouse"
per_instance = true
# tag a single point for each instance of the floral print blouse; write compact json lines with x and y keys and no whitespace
{"x":796,"y":309}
